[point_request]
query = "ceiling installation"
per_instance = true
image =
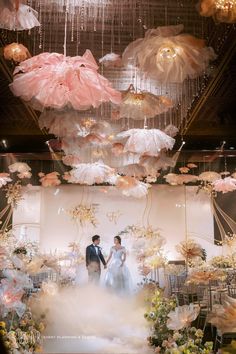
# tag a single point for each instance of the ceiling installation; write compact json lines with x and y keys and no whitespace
{"x":186,"y":81}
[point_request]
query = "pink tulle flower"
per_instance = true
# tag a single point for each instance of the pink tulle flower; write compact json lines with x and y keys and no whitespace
{"x":50,"y":179}
{"x":225,"y":185}
{"x":56,"y":81}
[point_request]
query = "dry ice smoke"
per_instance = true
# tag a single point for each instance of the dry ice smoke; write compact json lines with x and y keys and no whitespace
{"x":90,"y":319}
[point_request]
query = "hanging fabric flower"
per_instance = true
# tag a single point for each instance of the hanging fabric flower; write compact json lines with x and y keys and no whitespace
{"x":111,"y":60}
{"x":175,"y":179}
{"x":21,"y":167}
{"x":90,"y":173}
{"x":168,"y":56}
{"x":209,"y":176}
{"x":139,"y":106}
{"x":171,"y":130}
{"x":49,"y":179}
{"x":220,"y":10}
{"x":125,"y":182}
{"x":16,"y":52}
{"x":133,"y":170}
{"x":117,"y":149}
{"x":71,"y":160}
{"x":140,"y":190}
{"x":156,"y":163}
{"x":4,"y":179}
{"x":57,"y":81}
{"x":102,"y":129}
{"x":16,"y":16}
{"x":224,"y":185}
{"x":146,"y":141}
{"x":62,"y":123}
{"x":184,"y":169}
{"x":191,"y":165}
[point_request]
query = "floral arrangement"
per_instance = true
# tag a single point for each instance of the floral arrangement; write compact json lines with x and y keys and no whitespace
{"x":190,"y":250}
{"x":13,"y":194}
{"x":205,"y":275}
{"x":222,"y":262}
{"x":171,"y":331}
{"x":23,"y":335}
{"x":84,"y":214}
{"x":224,"y":316}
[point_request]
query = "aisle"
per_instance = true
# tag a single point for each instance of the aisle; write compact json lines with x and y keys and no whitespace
{"x":91,"y":320}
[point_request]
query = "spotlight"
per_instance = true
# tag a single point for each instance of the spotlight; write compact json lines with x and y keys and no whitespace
{"x":232,"y":148}
{"x":4,"y":143}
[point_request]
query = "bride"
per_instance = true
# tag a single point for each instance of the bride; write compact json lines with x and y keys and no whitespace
{"x":118,"y":276}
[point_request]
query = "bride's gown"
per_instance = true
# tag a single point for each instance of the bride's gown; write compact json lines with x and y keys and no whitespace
{"x":118,"y":277}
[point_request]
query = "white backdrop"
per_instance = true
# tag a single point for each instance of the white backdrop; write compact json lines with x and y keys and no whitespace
{"x":175,"y":210}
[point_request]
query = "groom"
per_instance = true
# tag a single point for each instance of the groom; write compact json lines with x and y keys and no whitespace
{"x":94,"y":257}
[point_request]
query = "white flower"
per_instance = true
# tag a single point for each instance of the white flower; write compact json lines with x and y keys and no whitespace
{"x":4,"y":179}
{"x":182,"y":316}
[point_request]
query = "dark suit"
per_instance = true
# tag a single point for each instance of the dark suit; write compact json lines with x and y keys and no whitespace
{"x":93,"y":262}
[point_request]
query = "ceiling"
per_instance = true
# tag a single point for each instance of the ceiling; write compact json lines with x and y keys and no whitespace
{"x":209,"y":116}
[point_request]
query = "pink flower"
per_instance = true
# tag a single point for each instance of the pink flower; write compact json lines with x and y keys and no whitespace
{"x":50,"y":179}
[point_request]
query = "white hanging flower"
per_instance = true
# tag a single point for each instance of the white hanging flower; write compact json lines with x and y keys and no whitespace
{"x":21,"y":167}
{"x":209,"y":176}
{"x":139,"y":106}
{"x":225,"y":185}
{"x":140,"y":190}
{"x":146,"y":141}
{"x":4,"y":179}
{"x":134,"y":170}
{"x":90,"y":173}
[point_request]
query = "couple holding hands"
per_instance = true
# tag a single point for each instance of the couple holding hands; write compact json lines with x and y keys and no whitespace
{"x":117,"y":277}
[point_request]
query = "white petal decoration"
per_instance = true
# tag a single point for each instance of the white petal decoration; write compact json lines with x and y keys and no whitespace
{"x":4,"y":179}
{"x":168,"y":56}
{"x":111,"y":60}
{"x":90,"y":173}
{"x":209,"y":176}
{"x":139,"y":106}
{"x":19,"y":167}
{"x":175,"y":179}
{"x":224,"y":185}
{"x":17,"y":16}
{"x":171,"y":130}
{"x":182,"y":317}
{"x":134,"y":170}
{"x":140,"y":190}
{"x":146,"y":141}
{"x":154,"y":164}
